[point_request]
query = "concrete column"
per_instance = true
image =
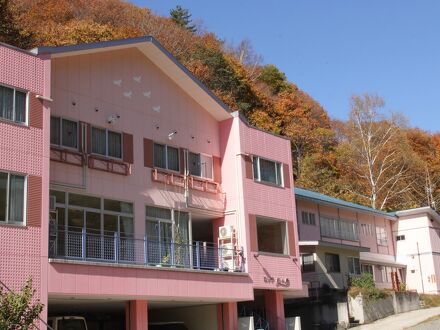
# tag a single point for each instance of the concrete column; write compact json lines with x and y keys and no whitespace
{"x":274,"y":305}
{"x":136,"y":315}
{"x":227,"y":316}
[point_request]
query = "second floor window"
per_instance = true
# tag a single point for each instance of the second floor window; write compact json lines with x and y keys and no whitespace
{"x":337,"y":228}
{"x":381,"y":235}
{"x":267,"y":171}
{"x":106,"y":143}
{"x":12,"y":198}
{"x":13,"y":104}
{"x":63,"y":132}
{"x":166,"y":157}
{"x":200,"y":165}
{"x":308,"y":218}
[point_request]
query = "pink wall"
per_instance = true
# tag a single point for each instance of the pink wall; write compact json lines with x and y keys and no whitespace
{"x":95,"y":281}
{"x":23,"y":250}
{"x":265,"y":201}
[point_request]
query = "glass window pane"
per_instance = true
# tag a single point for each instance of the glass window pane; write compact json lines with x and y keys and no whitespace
{"x":110,"y":224}
{"x":93,"y":223}
{"x":158,"y":213}
{"x":255,"y":161}
{"x":6,"y":102}
{"x":16,"y":198}
{"x":55,"y":130}
{"x":59,"y":195}
{"x":159,"y":156}
{"x":75,"y":220}
{"x":152,"y":230}
{"x":279,"y":175}
{"x":70,"y":133}
{"x":85,"y":201}
{"x":3,"y":194}
{"x":267,"y":171}
{"x":98,"y":141}
{"x":206,"y":165}
{"x":181,"y":224}
{"x":114,"y":144}
{"x":126,"y":227}
{"x":194,"y":164}
{"x":117,"y":206}
{"x":173,"y":158}
{"x":20,"y":106}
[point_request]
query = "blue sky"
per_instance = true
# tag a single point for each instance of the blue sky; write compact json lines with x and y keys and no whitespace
{"x":335,"y":48}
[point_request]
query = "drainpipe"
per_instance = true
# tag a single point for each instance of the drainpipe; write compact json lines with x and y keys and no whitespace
{"x":420,"y":267}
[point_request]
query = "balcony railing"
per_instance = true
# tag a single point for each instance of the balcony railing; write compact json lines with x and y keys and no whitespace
{"x":85,"y":246}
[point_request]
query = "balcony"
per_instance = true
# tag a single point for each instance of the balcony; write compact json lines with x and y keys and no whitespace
{"x":81,"y":245}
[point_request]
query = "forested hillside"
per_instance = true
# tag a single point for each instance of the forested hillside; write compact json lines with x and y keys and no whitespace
{"x":373,"y":158}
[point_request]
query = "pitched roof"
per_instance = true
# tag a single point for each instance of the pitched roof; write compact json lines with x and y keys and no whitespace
{"x":312,"y":195}
{"x":161,"y":57}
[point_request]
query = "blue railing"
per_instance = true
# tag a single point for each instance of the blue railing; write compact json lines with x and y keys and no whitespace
{"x":80,"y":244}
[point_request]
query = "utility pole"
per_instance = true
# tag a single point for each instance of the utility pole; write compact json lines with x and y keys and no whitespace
{"x":420,"y":267}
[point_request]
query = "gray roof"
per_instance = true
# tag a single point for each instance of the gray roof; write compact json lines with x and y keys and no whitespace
{"x":312,"y":195}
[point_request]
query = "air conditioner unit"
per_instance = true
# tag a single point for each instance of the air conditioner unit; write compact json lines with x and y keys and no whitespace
{"x":226,"y":250}
{"x":225,"y":232}
{"x":52,"y":202}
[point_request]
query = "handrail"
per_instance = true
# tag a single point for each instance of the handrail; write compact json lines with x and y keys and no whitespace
{"x":80,"y":244}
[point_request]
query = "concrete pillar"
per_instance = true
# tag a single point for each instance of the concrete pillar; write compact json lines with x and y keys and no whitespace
{"x":227,"y":316}
{"x":136,"y":315}
{"x":274,"y":305}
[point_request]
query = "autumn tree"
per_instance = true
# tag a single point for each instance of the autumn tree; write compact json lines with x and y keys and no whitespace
{"x":375,"y":153}
{"x":9,"y":31}
{"x":182,"y":17}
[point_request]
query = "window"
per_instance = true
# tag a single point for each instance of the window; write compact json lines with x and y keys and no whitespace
{"x":400,"y":238}
{"x":267,"y":171}
{"x":63,"y":132}
{"x":101,"y":219}
{"x":271,"y":236}
{"x":166,"y":157}
{"x":336,"y":228}
{"x":354,"y":267}
{"x":200,"y":165}
{"x":367,"y":229}
{"x":308,"y":218}
{"x":308,"y":263}
{"x":13,"y":104}
{"x":332,"y":263}
{"x":106,"y":142}
{"x":381,"y":236}
{"x":367,"y":269}
{"x":12,"y":198}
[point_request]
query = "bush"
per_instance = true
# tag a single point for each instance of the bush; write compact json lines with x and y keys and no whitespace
{"x":364,"y":285}
{"x":365,"y":281}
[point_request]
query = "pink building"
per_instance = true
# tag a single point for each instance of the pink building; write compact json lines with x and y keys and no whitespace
{"x":24,"y":169}
{"x":164,"y":205}
{"x":339,"y":240}
{"x":418,"y":246}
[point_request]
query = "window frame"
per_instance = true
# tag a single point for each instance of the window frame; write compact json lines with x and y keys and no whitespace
{"x":381,"y":236}
{"x":351,"y":260}
{"x":285,"y":239}
{"x":201,"y":170}
{"x":311,"y":267}
{"x":26,"y":111}
{"x":400,"y":237}
{"x":25,"y":190}
{"x":106,"y":143}
{"x":308,"y":219}
{"x":166,"y":157}
{"x":332,"y":269}
{"x":60,"y":122}
{"x":257,"y":176}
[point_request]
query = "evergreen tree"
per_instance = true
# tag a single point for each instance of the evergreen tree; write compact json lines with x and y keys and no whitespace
{"x":182,"y":17}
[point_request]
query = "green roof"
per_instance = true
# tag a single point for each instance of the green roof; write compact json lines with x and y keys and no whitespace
{"x":312,"y":195}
